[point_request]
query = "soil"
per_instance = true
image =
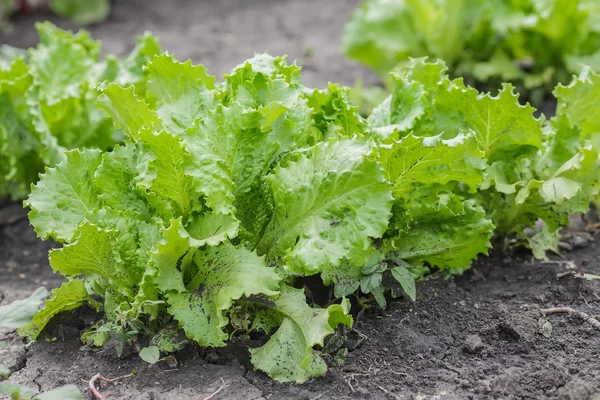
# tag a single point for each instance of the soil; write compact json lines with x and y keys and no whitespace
{"x":475,"y":336}
{"x":222,"y":34}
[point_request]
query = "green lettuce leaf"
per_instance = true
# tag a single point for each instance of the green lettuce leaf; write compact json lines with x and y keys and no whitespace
{"x":289,"y":356}
{"x":328,"y":206}
{"x":450,"y":235}
{"x":414,"y":162}
{"x":224,"y":274}
{"x":167,"y":255}
{"x":334,"y":113}
{"x":178,"y":92}
{"x":69,"y":296}
{"x":576,"y":105}
{"x":20,"y":312}
{"x":66,"y":392}
{"x":62,"y":200}
{"x":128,"y":111}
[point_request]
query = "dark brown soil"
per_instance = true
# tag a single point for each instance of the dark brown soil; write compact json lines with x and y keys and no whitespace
{"x":475,"y":336}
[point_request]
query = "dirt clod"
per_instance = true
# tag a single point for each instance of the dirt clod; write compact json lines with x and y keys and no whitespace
{"x":579,"y":389}
{"x":212,"y":357}
{"x":473,"y":344}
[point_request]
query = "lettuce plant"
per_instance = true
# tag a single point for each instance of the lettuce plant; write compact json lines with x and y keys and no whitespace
{"x":48,"y":103}
{"x":80,"y":12}
{"x":220,"y":197}
{"x":534,"y":169}
{"x":531,"y":43}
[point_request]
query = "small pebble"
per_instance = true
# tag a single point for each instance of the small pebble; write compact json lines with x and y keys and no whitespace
{"x":579,"y":242}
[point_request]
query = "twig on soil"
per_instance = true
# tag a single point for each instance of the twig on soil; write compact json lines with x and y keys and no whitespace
{"x":389,"y":369}
{"x":223,"y":386}
{"x":350,"y":385}
{"x":362,"y":335}
{"x":567,"y":263}
{"x":556,"y":310}
{"x":565,"y":273}
{"x":352,"y":377}
{"x":92,"y":383}
{"x":397,"y":373}
{"x":585,"y":300}
{"x":384,"y":390}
